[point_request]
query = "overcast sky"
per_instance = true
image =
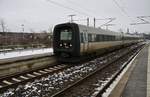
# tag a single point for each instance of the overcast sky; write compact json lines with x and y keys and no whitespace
{"x":40,"y":15}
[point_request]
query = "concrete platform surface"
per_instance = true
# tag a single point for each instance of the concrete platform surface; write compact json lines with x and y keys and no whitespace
{"x":136,"y":80}
{"x":137,"y":83}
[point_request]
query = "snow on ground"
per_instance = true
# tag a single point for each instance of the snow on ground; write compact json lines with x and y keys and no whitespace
{"x":47,"y":86}
{"x":4,"y":55}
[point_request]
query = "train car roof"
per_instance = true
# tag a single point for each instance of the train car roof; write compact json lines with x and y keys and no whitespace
{"x":105,"y":32}
{"x":92,"y":30}
{"x":98,"y":30}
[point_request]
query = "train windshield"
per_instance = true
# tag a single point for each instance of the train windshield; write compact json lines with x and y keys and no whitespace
{"x":66,"y":34}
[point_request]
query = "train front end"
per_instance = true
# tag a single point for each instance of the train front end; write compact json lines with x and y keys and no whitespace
{"x":66,"y":43}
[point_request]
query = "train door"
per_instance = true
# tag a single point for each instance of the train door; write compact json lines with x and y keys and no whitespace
{"x":85,"y":41}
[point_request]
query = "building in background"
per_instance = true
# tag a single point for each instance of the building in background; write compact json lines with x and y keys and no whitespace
{"x":25,"y":39}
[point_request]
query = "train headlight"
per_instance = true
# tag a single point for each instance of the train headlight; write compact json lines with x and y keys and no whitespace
{"x":70,"y":45}
{"x":60,"y":45}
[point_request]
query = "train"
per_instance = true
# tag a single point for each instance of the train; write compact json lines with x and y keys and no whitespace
{"x":72,"y":41}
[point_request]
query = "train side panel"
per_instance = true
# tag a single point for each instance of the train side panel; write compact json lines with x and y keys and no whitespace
{"x":93,"y":46}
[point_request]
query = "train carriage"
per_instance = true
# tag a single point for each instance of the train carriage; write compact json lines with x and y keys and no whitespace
{"x":73,"y":41}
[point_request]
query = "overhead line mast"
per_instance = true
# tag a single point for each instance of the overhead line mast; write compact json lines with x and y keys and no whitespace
{"x":142,"y":19}
{"x":71,"y":17}
{"x":107,"y":23}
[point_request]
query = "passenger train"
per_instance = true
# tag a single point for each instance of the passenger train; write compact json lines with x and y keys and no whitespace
{"x":72,"y":41}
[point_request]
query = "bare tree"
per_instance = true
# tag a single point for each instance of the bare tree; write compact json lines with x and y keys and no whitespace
{"x":31,"y":30}
{"x":50,"y":29}
{"x":2,"y":23}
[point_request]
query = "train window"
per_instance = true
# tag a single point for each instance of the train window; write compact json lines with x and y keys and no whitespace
{"x":66,"y":34}
{"x":97,"y":38}
{"x":89,"y":37}
{"x":102,"y":37}
{"x":113,"y":38}
{"x":105,"y":37}
{"x":108,"y":38}
{"x":126,"y":38}
{"x":93,"y":37}
{"x":85,"y":37}
{"x":118,"y":38}
{"x":81,"y":37}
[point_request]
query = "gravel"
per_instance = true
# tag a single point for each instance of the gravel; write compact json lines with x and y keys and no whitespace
{"x":47,"y":86}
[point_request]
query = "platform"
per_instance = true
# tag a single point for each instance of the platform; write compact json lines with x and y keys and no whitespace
{"x":25,"y":52}
{"x":136,"y":80}
{"x":24,"y":55}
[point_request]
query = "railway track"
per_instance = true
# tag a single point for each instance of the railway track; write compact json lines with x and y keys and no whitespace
{"x":89,"y":86}
{"x":21,"y":78}
{"x":54,"y":80}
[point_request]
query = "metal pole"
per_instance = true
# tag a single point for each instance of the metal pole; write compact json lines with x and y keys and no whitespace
{"x":88,"y":22}
{"x":22,"y":27}
{"x":94,"y":22}
{"x":71,"y":17}
{"x":22,"y":33}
